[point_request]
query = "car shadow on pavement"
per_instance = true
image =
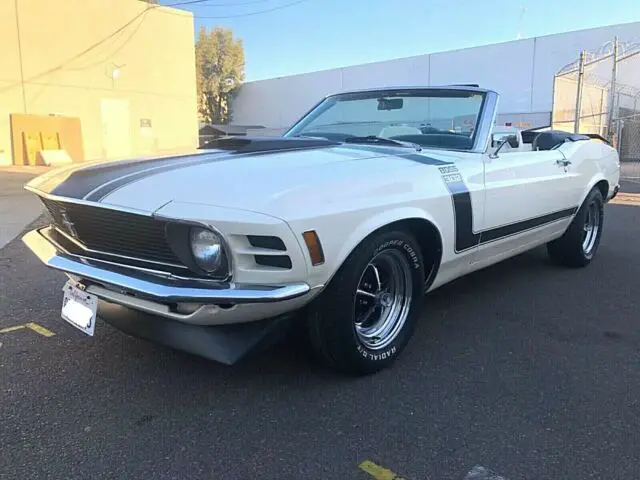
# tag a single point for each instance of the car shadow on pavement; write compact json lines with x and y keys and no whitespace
{"x":460,"y":305}
{"x":292,"y":355}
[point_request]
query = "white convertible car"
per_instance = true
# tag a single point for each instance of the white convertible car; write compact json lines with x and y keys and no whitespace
{"x":370,"y":200}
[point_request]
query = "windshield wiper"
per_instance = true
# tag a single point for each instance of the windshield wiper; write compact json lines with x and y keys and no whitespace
{"x":382,"y":141}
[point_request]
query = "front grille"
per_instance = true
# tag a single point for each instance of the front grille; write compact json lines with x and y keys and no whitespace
{"x":113,"y":232}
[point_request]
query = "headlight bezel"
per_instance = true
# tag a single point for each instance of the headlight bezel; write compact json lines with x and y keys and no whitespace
{"x":179,"y":237}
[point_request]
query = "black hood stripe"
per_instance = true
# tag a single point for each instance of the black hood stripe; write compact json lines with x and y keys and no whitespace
{"x":79,"y":183}
{"x":398,"y":152}
{"x":95,"y":182}
{"x":108,"y":188}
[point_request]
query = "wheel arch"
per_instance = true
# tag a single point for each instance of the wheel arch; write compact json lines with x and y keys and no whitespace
{"x":598,"y":182}
{"x":416,"y":221}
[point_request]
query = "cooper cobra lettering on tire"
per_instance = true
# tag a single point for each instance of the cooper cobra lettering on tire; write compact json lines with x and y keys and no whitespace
{"x":367,"y":314}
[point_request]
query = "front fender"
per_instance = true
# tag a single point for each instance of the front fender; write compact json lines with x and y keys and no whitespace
{"x":373,"y":223}
{"x":340,"y":235}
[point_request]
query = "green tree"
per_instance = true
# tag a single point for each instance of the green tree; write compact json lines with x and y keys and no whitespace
{"x":220,"y":72}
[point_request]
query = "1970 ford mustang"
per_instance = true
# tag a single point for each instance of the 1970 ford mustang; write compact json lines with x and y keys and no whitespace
{"x":370,"y":200}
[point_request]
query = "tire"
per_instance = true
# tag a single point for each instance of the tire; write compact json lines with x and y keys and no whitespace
{"x":578,"y":246}
{"x":338,"y":336}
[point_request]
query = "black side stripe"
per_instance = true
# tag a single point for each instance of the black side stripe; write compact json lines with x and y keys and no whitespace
{"x":465,"y":237}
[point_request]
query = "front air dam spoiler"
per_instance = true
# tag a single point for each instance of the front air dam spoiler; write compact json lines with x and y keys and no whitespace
{"x":227,"y":344}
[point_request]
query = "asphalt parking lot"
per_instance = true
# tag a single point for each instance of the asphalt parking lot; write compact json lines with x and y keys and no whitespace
{"x":525,"y":368}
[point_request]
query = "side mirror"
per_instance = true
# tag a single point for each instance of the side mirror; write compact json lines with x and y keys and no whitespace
{"x":501,"y":144}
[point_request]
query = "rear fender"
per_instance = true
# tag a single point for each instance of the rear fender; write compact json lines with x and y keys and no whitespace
{"x":596,"y":160}
{"x":594,"y":181}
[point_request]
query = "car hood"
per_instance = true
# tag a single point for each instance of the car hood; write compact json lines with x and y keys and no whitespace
{"x":278,"y":182}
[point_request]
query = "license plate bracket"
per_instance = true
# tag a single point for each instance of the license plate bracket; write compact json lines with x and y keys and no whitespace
{"x":79,"y":308}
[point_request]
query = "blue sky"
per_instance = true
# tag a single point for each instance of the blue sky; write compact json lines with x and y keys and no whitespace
{"x":310,"y":35}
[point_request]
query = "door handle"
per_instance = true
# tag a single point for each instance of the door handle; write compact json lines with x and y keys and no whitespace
{"x":563,"y":163}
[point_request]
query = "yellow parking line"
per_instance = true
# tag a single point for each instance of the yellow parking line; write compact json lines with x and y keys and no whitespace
{"x":624,"y":198}
{"x":12,"y":329}
{"x":378,"y":472}
{"x":39,"y":329}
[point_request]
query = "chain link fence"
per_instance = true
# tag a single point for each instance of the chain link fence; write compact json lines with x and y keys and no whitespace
{"x":599,"y":93}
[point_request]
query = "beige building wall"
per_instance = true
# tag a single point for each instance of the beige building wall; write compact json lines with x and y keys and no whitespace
{"x":125,"y":68}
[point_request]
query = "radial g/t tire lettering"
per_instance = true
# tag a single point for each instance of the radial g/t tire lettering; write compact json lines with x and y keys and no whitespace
{"x":365,"y":317}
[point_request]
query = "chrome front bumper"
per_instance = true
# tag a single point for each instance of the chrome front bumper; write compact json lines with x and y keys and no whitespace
{"x":152,"y":288}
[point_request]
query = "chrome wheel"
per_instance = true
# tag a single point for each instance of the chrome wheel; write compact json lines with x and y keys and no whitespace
{"x":383,"y":299}
{"x":590,"y":228}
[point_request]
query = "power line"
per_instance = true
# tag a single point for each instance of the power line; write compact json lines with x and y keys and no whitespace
{"x":95,"y":45}
{"x":116,"y":32}
{"x":78,"y":55}
{"x":233,"y":4}
{"x":279,"y":7}
{"x":110,"y":55}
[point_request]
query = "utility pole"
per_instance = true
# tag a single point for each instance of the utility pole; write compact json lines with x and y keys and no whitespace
{"x":576,"y":123}
{"x":520,"y":21}
{"x":612,"y":94}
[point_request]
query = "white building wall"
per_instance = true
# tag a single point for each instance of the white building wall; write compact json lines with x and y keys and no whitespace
{"x":521,"y":71}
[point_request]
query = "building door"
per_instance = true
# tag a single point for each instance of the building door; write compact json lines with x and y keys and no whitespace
{"x":116,"y":128}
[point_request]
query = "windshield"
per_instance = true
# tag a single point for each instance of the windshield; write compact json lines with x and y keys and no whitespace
{"x":435,"y":118}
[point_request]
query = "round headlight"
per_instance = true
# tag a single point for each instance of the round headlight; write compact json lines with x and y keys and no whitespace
{"x":206,"y":247}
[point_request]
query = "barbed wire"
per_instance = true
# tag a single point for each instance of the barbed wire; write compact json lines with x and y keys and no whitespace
{"x":625,"y":50}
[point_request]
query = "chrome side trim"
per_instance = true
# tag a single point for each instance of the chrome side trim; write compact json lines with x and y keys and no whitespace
{"x":158,"y":288}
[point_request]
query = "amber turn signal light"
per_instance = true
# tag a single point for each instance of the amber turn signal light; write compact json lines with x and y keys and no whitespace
{"x":314,"y":247}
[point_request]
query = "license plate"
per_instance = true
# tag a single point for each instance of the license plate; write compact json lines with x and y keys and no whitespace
{"x":79,"y":308}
